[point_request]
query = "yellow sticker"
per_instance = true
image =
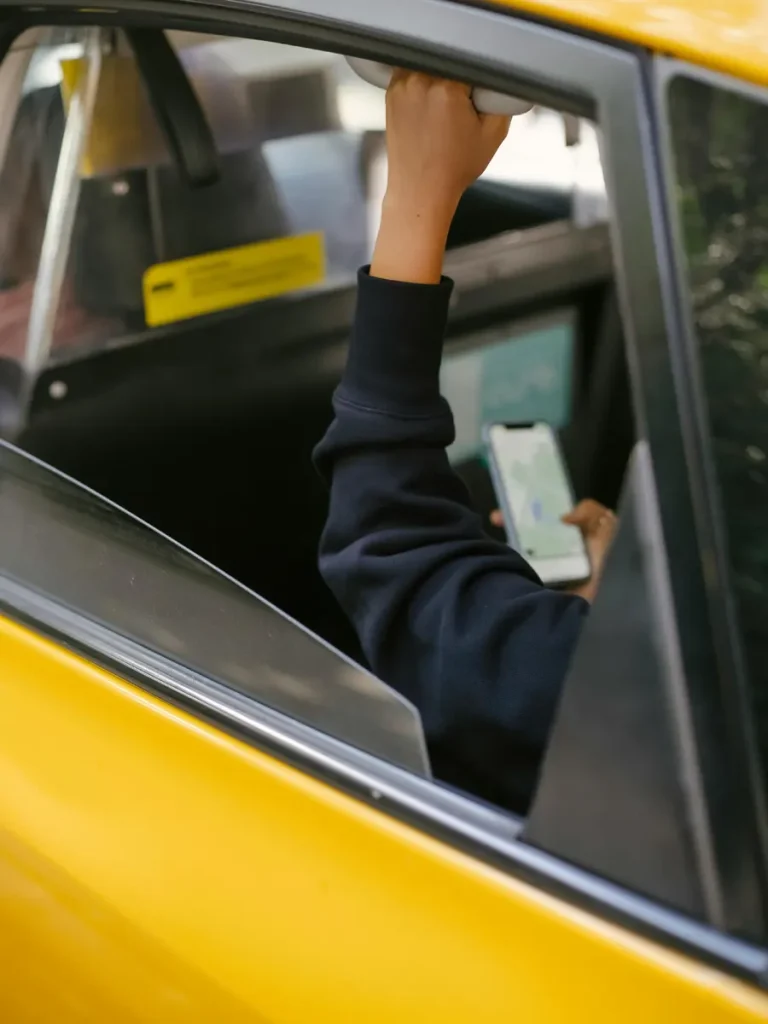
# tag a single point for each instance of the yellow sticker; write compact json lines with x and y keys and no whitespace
{"x":231,"y":277}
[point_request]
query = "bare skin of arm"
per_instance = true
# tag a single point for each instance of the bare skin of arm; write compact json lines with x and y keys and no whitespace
{"x":428,"y":174}
{"x":598,"y":525}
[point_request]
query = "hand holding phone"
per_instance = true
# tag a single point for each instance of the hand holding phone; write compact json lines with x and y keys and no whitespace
{"x":598,"y":525}
{"x":534,"y":493}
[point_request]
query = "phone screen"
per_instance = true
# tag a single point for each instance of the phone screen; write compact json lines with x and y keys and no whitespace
{"x":536,"y":494}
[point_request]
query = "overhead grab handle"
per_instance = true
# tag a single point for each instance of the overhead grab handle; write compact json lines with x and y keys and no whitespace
{"x":486,"y":101}
{"x":176,"y":106}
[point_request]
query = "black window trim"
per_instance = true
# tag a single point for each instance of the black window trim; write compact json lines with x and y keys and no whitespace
{"x":709,"y":517}
{"x":565,"y":69}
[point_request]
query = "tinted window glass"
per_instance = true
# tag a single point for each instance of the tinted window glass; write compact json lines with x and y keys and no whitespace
{"x":301,"y":147}
{"x":721,"y":164}
{"x":30,"y":138}
{"x":67,"y":544}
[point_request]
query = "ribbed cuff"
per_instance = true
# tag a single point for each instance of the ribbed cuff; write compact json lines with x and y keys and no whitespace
{"x":397,"y":342}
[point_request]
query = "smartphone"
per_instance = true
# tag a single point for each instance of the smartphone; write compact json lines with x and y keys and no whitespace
{"x":534,"y":492}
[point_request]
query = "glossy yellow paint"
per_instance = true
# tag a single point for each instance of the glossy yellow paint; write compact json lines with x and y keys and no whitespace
{"x":726,"y":35}
{"x":154,"y":869}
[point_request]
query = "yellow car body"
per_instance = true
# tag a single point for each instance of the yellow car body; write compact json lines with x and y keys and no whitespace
{"x":723,"y":35}
{"x":267,"y":895}
{"x":158,"y":865}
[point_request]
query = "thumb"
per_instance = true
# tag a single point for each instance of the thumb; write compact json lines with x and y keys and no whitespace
{"x":588,"y":512}
{"x":495,"y":127}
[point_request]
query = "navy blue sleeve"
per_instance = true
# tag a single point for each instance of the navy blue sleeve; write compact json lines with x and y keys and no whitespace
{"x":458,"y":623}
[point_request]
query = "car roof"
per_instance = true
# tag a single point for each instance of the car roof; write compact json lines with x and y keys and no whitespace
{"x":724,"y":35}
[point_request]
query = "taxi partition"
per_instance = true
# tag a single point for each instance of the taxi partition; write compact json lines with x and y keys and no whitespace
{"x":225,"y":194}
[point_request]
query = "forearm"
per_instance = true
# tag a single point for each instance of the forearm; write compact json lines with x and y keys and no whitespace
{"x":437,"y":145}
{"x":411,"y":242}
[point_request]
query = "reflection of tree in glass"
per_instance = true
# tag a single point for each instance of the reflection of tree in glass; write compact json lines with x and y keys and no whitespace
{"x":721,"y":153}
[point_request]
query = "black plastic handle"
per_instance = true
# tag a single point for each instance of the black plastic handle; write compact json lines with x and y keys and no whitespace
{"x":176,"y":106}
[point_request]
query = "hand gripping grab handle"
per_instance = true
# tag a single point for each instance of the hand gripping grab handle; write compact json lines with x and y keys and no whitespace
{"x":486,"y":101}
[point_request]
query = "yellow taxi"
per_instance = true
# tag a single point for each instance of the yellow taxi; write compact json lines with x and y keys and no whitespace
{"x":209,"y":809}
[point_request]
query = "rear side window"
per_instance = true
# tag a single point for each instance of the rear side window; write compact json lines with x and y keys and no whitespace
{"x":721,"y":168}
{"x":302,"y":163}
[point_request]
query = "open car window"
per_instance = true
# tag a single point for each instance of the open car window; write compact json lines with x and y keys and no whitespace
{"x":63,"y":547}
{"x":176,"y":391}
{"x":200,"y":329}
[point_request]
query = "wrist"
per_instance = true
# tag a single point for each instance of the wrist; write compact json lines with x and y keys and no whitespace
{"x":411,"y":242}
{"x":427,"y":217}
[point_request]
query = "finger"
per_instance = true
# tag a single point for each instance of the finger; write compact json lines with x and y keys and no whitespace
{"x":586,"y":510}
{"x":458,"y":87}
{"x":607,"y":523}
{"x":600,"y":529}
{"x":403,"y":77}
{"x":495,"y":127}
{"x":458,"y":95}
{"x":406,"y":75}
{"x":497,"y":518}
{"x":593,"y":519}
{"x":398,"y":75}
{"x":576,"y":517}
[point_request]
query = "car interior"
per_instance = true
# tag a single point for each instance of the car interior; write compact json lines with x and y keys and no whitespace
{"x":204,"y":428}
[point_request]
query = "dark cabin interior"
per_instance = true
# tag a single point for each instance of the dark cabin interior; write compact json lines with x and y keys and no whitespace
{"x":205,"y":428}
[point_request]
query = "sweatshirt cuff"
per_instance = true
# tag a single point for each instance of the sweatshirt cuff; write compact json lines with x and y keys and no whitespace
{"x":397,"y":343}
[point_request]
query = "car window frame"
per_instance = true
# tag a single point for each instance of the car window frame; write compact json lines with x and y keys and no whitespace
{"x":735,"y":702}
{"x":578,"y":74}
{"x":715,"y":778}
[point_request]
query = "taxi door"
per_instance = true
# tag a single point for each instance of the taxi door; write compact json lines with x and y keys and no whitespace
{"x":207,"y":813}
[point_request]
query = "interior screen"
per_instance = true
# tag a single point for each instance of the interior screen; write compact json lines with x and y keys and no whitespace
{"x":519,"y":372}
